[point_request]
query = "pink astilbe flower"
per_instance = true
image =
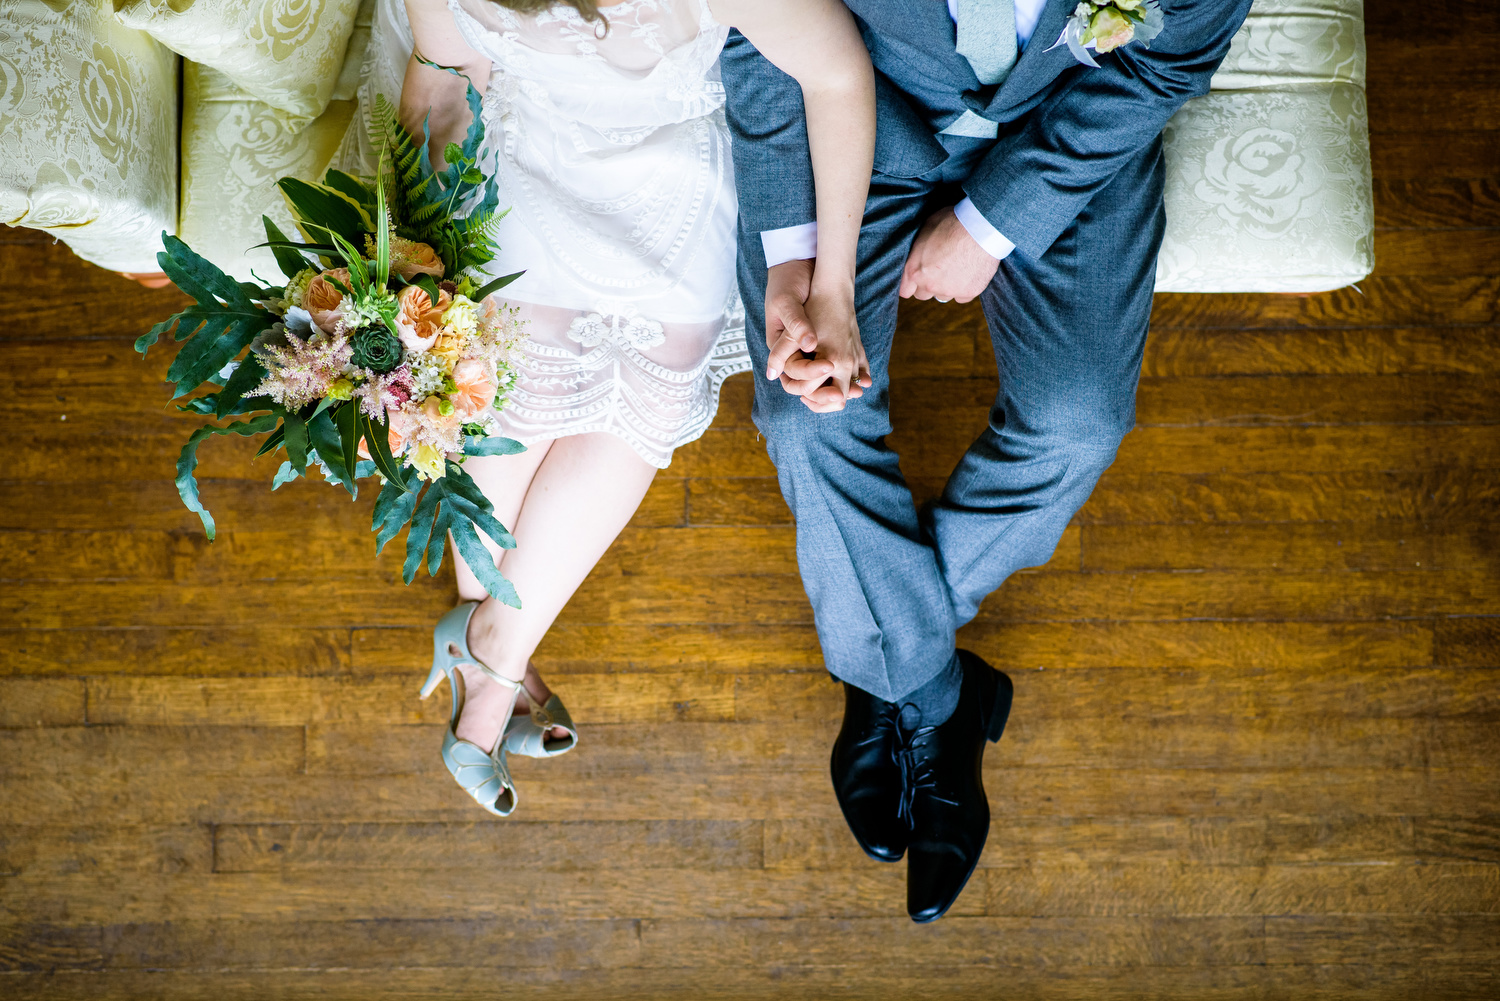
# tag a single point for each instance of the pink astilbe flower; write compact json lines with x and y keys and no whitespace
{"x":385,"y":393}
{"x":300,"y":372}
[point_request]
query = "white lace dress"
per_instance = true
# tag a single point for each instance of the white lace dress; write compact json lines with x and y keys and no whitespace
{"x":614,"y":157}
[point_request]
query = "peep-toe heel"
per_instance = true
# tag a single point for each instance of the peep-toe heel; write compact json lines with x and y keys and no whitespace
{"x":482,"y":774}
{"x":530,"y":735}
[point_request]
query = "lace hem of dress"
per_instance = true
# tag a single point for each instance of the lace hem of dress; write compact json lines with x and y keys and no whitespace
{"x":619,"y":405}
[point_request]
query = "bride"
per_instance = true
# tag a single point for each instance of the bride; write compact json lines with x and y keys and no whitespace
{"x":605,"y":126}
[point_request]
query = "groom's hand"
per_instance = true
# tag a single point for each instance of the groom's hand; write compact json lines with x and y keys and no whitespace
{"x":945,"y":263}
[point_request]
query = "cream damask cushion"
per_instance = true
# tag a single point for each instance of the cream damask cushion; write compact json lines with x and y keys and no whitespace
{"x":1268,"y":176}
{"x":88,"y":131}
{"x":287,"y":53}
{"x":234,"y":149}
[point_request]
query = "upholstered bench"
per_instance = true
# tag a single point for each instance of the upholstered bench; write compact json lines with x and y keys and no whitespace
{"x":120,"y":119}
{"x":1268,"y":176}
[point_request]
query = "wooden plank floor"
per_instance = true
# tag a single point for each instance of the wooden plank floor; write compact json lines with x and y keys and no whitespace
{"x":1254,"y":753}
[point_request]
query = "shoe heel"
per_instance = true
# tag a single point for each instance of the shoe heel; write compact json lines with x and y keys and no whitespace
{"x":434,"y":676}
{"x":1000,"y":712}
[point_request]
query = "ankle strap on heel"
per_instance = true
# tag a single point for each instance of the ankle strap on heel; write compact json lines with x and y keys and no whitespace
{"x":515,"y":686}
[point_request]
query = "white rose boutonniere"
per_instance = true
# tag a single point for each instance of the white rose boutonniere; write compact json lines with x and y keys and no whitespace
{"x":1105,"y":25}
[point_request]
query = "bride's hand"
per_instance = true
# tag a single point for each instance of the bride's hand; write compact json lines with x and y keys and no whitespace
{"x":831,"y":310}
{"x":815,"y":348}
{"x":436,"y":97}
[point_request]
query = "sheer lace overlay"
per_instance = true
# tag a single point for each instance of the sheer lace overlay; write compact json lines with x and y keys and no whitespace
{"x":611,"y":149}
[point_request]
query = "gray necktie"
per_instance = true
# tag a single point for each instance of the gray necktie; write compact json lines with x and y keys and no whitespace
{"x":987,"y":37}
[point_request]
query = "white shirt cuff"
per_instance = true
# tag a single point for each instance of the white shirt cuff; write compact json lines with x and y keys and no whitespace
{"x":990,"y":239}
{"x":793,"y":243}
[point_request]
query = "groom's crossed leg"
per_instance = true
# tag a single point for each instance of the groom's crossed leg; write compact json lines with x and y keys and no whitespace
{"x":882,"y":610}
{"x":1068,"y":331}
{"x":887,"y":591}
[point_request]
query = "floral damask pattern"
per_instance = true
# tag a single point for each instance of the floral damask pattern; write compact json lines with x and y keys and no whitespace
{"x":286,"y":53}
{"x":107,"y":88}
{"x":88,"y":116}
{"x":1268,"y":176}
{"x":1258,"y":180}
{"x":1286,"y":43}
{"x":1268,"y":191}
{"x":234,"y":149}
{"x":283,"y":26}
{"x":12,"y":89}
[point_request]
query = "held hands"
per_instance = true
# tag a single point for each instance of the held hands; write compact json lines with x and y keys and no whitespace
{"x":945,"y":263}
{"x":811,"y":330}
{"x":814,"y":339}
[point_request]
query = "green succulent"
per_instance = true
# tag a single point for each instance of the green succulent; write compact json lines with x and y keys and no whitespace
{"x":376,"y":349}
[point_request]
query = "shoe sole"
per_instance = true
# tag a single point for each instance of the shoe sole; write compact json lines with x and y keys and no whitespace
{"x":1000,"y":711}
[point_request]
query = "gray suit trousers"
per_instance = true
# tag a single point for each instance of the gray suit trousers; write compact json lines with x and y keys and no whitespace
{"x":889,"y":588}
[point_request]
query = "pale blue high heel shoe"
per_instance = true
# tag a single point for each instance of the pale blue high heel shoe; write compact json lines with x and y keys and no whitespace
{"x":529,"y":735}
{"x":482,"y":774}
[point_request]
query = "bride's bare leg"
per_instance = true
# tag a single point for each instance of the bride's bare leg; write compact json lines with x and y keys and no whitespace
{"x":504,"y":480}
{"x":584,"y":491}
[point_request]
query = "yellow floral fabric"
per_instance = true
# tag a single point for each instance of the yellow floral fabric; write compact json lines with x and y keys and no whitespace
{"x":88,"y":131}
{"x":1268,"y":176}
{"x":234,"y":149}
{"x":286,"y":53}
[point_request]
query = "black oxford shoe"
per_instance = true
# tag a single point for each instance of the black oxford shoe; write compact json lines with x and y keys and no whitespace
{"x":866,"y":776}
{"x":945,"y":800}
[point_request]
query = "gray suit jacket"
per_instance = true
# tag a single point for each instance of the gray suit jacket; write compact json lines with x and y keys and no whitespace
{"x":1064,"y":129}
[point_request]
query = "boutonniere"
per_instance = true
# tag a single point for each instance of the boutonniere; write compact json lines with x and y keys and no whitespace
{"x":1105,"y":25}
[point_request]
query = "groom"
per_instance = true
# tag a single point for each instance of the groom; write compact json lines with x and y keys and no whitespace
{"x":1006,"y":171}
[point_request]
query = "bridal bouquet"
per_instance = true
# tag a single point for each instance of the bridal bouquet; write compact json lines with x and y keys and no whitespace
{"x":380,"y":356}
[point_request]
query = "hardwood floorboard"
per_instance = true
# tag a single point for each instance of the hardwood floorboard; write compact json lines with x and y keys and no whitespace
{"x":1077,"y":742}
{"x":777,"y":979}
{"x":1438,"y":253}
{"x":1441,"y":204}
{"x":1188,"y":351}
{"x":1254,"y":747}
{"x":1410,"y":156}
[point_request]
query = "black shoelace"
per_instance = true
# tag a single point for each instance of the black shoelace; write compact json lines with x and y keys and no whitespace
{"x":916,"y":773}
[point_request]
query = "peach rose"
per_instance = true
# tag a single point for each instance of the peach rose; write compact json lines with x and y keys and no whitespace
{"x":421,"y":337}
{"x":476,"y":385}
{"x":416,"y":306}
{"x":1110,"y":29}
{"x":419,"y":321}
{"x":418,"y":259}
{"x":322,"y":299}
